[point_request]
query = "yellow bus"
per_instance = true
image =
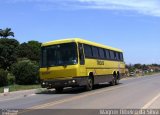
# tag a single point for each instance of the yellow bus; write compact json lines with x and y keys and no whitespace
{"x":77,"y":62}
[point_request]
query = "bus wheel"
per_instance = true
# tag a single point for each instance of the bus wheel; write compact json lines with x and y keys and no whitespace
{"x":89,"y":85}
{"x":113,"y":82}
{"x":117,"y":79}
{"x":59,"y":89}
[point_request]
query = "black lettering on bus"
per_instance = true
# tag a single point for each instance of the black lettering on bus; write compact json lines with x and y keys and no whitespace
{"x":100,"y":62}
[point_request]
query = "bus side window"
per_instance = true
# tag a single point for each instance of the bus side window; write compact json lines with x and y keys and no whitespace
{"x":88,"y":51}
{"x":101,"y":53}
{"x":117,"y":56}
{"x":81,"y":54}
{"x":107,"y":54}
{"x":95,"y":52}
{"x":112,"y":55}
{"x":121,"y":56}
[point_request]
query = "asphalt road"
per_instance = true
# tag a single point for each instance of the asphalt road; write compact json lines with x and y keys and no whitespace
{"x":134,"y":93}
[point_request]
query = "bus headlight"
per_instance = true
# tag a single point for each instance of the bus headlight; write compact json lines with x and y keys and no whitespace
{"x":73,"y":81}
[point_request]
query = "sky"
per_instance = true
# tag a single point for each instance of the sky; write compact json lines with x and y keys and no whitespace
{"x":131,"y":25}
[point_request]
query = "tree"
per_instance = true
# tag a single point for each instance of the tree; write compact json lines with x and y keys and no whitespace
{"x":144,"y":67}
{"x":8,"y":49}
{"x":6,"y":32}
{"x":30,"y":50}
{"x":3,"y":78}
{"x":23,"y":51}
{"x":155,"y":65}
{"x":35,"y":47}
{"x":1,"y":33}
{"x":138,"y":66}
{"x":131,"y":68}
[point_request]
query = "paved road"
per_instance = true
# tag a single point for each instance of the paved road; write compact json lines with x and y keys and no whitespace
{"x":135,"y":93}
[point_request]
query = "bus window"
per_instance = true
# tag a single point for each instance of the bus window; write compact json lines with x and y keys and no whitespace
{"x":107,"y":54}
{"x":101,"y":53}
{"x":121,"y":56}
{"x":43,"y":61}
{"x":81,"y":54}
{"x":59,"y":55}
{"x":88,"y":51}
{"x":112,"y":55}
{"x":95,"y":52}
{"x":117,"y":56}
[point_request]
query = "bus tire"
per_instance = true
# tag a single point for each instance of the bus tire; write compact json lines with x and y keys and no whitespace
{"x":59,"y":89}
{"x":89,"y":85}
{"x":113,"y":82}
{"x":117,"y":79}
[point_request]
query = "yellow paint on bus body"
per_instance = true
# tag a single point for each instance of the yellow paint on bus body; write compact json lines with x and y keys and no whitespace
{"x":96,"y":66}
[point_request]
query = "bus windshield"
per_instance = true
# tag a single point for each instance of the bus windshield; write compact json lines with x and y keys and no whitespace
{"x":59,"y":55}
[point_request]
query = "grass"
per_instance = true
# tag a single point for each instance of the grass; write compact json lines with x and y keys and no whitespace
{"x":20,"y":87}
{"x":151,"y":73}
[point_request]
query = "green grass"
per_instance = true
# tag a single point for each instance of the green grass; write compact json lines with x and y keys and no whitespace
{"x":20,"y":87}
{"x":151,"y":73}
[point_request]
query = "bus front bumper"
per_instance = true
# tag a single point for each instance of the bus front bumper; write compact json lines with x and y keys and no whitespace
{"x":74,"y":82}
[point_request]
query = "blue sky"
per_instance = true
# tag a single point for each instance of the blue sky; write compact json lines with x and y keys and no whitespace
{"x":132,"y":25}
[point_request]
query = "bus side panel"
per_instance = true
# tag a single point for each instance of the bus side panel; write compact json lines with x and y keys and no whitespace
{"x":103,"y":73}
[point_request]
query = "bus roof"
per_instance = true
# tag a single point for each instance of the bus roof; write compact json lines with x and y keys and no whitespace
{"x":79,"y":40}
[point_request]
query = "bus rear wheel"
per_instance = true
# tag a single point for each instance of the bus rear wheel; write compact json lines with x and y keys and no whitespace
{"x":112,"y":83}
{"x":89,"y":85}
{"x":117,"y":79}
{"x":59,"y":89}
{"x":114,"y":80}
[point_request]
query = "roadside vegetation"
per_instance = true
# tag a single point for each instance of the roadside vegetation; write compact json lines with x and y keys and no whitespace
{"x":142,"y":69}
{"x":19,"y":62}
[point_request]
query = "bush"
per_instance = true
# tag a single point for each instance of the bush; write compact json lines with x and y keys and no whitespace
{"x":3,"y":78}
{"x":11,"y":79}
{"x":25,"y":72}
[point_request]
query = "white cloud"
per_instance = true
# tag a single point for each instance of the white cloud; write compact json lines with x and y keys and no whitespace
{"x":147,"y":7}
